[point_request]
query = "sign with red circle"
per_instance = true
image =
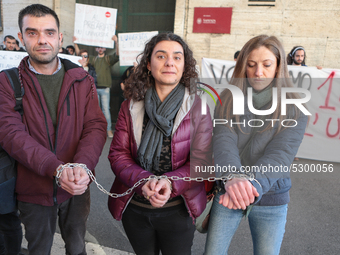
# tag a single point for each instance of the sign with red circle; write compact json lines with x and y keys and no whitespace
{"x":107,"y":14}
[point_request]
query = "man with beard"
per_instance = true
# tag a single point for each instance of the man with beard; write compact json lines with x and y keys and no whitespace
{"x":9,"y":42}
{"x":62,"y":122}
{"x":297,"y":57}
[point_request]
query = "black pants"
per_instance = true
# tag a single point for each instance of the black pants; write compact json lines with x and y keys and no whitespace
{"x":170,"y":230}
{"x":10,"y":234}
{"x":40,"y":224}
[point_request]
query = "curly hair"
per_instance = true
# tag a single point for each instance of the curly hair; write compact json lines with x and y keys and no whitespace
{"x":139,"y":81}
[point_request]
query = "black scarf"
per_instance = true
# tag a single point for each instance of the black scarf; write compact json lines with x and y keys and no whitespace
{"x":162,"y":115}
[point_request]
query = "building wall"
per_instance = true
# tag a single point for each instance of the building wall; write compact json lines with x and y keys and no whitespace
{"x":64,"y":8}
{"x":314,"y":24}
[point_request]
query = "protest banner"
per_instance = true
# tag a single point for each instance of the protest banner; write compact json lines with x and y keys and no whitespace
{"x":321,"y":139}
{"x":9,"y":59}
{"x":95,"y":25}
{"x":131,"y":45}
{"x":72,"y":58}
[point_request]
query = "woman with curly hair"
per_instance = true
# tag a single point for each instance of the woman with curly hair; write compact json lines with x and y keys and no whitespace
{"x":160,"y":132}
{"x":255,"y":146}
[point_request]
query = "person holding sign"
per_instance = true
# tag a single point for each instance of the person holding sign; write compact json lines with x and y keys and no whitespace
{"x":62,"y":122}
{"x":297,"y":57}
{"x":102,"y":64}
{"x":160,"y":131}
{"x":259,"y":154}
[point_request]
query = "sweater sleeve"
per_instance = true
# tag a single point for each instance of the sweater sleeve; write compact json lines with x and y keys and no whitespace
{"x":113,"y":59}
{"x":279,"y":153}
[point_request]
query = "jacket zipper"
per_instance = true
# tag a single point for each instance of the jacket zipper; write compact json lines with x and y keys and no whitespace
{"x":67,"y":99}
{"x":55,"y":187}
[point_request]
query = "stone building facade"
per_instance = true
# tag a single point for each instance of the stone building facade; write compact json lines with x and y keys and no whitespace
{"x":314,"y":24}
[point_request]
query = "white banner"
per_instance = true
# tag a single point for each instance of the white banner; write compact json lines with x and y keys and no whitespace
{"x":95,"y":25}
{"x":72,"y":58}
{"x":9,"y":59}
{"x":322,"y":137}
{"x":131,"y":45}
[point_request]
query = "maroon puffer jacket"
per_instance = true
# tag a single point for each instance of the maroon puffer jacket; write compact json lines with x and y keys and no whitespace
{"x":39,"y":147}
{"x":123,"y":152}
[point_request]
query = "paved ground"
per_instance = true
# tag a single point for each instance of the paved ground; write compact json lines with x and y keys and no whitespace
{"x":313,"y":225}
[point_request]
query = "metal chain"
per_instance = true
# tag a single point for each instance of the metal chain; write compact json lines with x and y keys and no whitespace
{"x":144,"y":180}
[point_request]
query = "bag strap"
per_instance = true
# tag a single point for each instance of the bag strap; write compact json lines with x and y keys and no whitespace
{"x":13,"y":77}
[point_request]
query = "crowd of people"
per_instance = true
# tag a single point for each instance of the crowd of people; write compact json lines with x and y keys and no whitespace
{"x":160,"y":136}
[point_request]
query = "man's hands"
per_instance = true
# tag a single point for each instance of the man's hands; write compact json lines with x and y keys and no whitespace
{"x":74,"y":180}
{"x":239,"y":194}
{"x":157,"y":191}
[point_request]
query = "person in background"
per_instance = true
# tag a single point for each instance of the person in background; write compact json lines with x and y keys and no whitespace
{"x":62,"y":49}
{"x":102,"y":64}
{"x":297,"y":57}
{"x":62,"y":122}
{"x":18,"y":48}
{"x":9,"y":43}
{"x":84,"y":61}
{"x":259,"y":195}
{"x":71,"y":50}
{"x":160,"y":131}
{"x":236,"y":55}
{"x":126,"y":75}
{"x":10,"y":224}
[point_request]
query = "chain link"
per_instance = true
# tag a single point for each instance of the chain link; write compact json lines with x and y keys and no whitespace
{"x":224,"y":179}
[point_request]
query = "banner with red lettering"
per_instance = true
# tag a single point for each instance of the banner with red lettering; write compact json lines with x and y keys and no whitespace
{"x":322,"y":137}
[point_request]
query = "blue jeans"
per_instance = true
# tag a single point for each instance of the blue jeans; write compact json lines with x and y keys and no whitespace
{"x":104,"y":102}
{"x":267,"y":226}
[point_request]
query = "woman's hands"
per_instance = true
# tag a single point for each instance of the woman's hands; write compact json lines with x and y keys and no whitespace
{"x":157,"y":192}
{"x":239,"y":194}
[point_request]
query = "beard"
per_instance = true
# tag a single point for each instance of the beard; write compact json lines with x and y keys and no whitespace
{"x":297,"y":63}
{"x":43,"y":58}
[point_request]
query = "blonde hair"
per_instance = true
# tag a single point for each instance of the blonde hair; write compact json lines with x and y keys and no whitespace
{"x":238,"y":79}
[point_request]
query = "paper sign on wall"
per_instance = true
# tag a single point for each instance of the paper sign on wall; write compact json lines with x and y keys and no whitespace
{"x":95,"y":25}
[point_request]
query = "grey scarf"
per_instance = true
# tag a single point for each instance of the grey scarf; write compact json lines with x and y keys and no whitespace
{"x":161,"y":122}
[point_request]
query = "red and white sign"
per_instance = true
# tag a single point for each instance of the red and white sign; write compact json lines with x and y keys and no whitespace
{"x":212,"y":20}
{"x":95,"y":25}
